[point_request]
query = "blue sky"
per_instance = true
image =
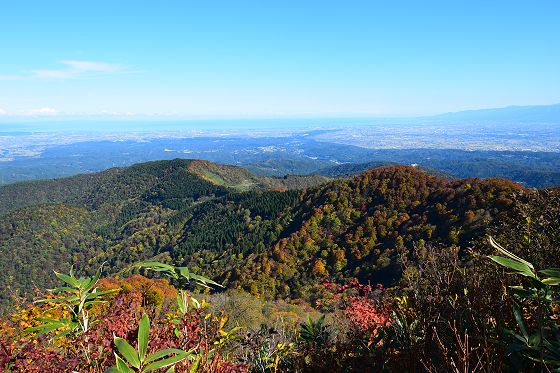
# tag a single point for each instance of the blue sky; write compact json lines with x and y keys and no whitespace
{"x":237,"y":59}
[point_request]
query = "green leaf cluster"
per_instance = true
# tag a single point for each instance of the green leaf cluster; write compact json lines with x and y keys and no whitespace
{"x":540,"y":343}
{"x":137,"y":360}
{"x":79,"y":296}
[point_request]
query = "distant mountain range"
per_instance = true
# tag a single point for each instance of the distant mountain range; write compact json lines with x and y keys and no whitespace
{"x":535,"y":113}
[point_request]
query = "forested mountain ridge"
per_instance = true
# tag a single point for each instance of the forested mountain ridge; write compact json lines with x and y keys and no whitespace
{"x":119,"y":184}
{"x":353,"y":169}
{"x":246,"y":231}
{"x":242,"y":180}
{"x":358,"y":227}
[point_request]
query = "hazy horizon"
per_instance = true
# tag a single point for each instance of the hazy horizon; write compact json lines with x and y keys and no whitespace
{"x":248,"y":120}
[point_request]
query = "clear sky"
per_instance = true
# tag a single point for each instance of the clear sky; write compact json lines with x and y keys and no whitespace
{"x":238,"y":58}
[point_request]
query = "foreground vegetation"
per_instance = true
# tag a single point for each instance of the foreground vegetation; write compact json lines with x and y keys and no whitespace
{"x":437,"y":323}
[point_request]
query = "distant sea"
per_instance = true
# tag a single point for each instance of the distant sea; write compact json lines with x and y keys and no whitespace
{"x":104,"y":125}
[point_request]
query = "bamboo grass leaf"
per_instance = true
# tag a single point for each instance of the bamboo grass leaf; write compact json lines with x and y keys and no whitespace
{"x":128,"y":352}
{"x":520,"y":267}
{"x":163,"y":353}
{"x":121,"y":365}
{"x":166,"y":362}
{"x":552,"y":272}
{"x":70,"y":280}
{"x":143,"y":336}
{"x":520,"y":321}
{"x":509,"y":254}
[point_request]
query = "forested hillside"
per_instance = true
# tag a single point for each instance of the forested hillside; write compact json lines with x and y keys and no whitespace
{"x":134,"y":212}
{"x":247,"y":231}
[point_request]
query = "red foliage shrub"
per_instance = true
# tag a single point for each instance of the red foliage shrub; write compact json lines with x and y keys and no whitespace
{"x":366,"y":316}
{"x":361,"y":306}
{"x":121,"y":320}
{"x":35,"y":357}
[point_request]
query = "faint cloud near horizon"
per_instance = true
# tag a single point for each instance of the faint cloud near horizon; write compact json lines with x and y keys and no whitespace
{"x":71,"y":69}
{"x":40,"y":112}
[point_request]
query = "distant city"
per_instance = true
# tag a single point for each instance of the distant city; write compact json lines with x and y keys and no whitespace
{"x":36,"y":150}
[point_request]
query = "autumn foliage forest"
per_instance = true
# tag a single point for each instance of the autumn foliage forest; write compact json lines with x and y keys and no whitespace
{"x":189,"y":266}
